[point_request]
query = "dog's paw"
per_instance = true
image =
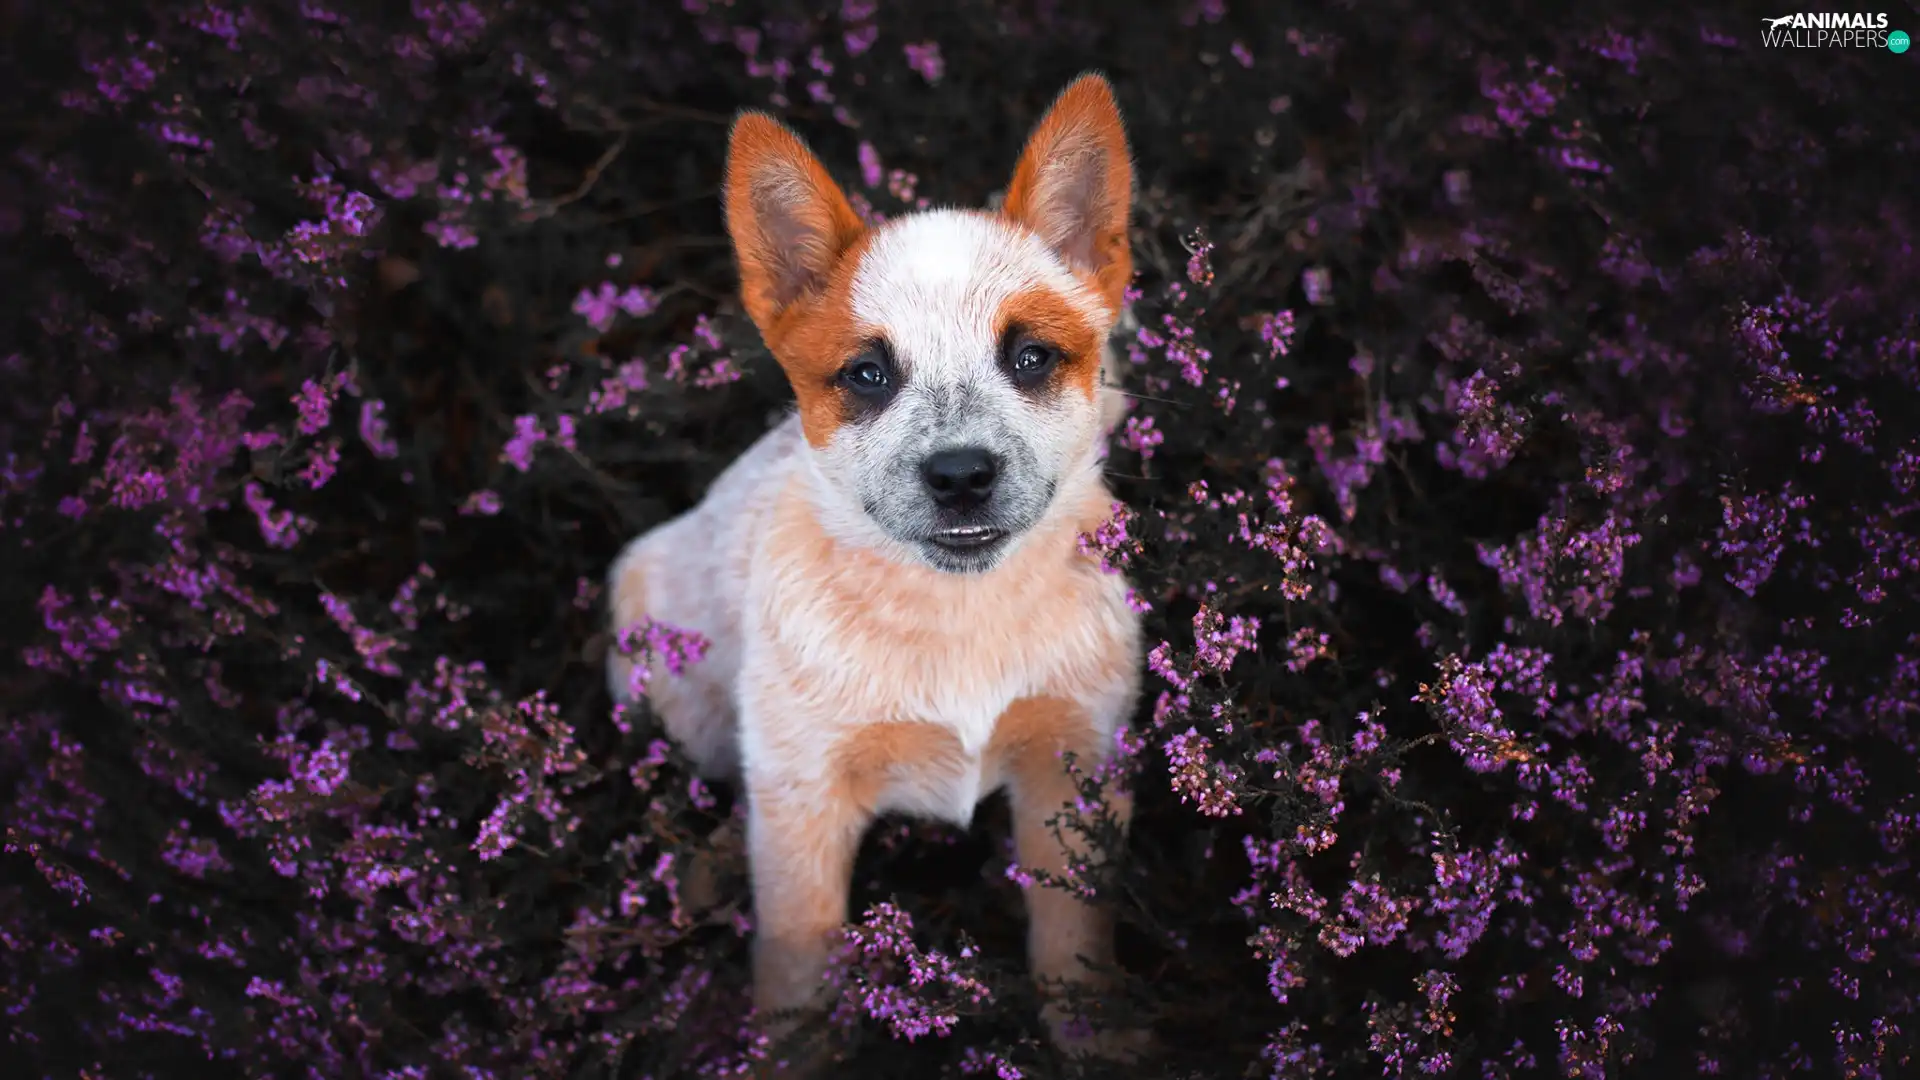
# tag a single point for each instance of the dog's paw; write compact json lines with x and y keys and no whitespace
{"x":803,"y":1058}
{"x":1075,"y":1037}
{"x":798,"y":1066}
{"x":1123,"y":1046}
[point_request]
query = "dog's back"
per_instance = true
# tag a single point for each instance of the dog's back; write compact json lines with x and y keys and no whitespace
{"x":691,"y":573}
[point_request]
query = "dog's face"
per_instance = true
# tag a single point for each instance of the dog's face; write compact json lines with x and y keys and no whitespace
{"x":946,"y":363}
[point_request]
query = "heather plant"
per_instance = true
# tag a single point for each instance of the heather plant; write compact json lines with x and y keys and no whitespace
{"x":1519,"y":486}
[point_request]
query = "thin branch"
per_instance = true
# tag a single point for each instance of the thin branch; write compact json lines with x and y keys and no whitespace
{"x":548,"y":207}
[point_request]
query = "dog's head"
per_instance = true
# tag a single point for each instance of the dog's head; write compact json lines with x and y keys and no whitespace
{"x":946,"y":363}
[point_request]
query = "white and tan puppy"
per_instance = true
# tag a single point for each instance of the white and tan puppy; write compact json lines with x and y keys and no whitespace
{"x":900,"y":616}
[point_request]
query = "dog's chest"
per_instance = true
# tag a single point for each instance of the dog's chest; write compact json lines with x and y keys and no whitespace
{"x":893,"y":678}
{"x":906,"y":718}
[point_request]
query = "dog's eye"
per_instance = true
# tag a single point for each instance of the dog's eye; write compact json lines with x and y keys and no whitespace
{"x":1031,"y":361}
{"x":868,"y":374}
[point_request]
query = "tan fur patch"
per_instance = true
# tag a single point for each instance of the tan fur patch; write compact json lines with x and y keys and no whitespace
{"x":879,"y":755}
{"x":801,"y":847}
{"x":917,"y":620}
{"x":797,"y":241}
{"x":1082,"y":128}
{"x":1050,"y":317}
{"x":1028,"y":742}
{"x":629,"y":595}
{"x":813,"y":340}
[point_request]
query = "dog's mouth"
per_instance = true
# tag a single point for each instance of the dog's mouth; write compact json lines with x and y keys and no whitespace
{"x":967,"y":539}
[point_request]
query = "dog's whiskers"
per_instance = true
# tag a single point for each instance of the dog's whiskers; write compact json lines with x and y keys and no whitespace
{"x":1147,"y":397}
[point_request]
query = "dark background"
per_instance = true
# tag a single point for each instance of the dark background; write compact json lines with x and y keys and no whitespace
{"x":1600,"y":468}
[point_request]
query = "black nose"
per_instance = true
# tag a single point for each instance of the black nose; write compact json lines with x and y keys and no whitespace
{"x":960,"y":479}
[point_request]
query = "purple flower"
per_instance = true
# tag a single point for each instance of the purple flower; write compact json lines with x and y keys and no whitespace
{"x":924,"y":58}
{"x":373,"y":430}
{"x":881,"y":973}
{"x":527,"y":438}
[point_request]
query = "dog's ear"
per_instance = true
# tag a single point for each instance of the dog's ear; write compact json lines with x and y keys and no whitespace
{"x":789,"y":221}
{"x":1074,"y":185}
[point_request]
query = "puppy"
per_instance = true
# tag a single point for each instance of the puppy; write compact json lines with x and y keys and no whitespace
{"x":899,"y":614}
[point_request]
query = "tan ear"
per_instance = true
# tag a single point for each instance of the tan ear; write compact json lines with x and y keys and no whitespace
{"x":789,"y":221}
{"x":1074,"y":185}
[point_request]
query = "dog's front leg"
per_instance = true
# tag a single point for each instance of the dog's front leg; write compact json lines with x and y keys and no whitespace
{"x":801,"y":839}
{"x":1069,"y":940}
